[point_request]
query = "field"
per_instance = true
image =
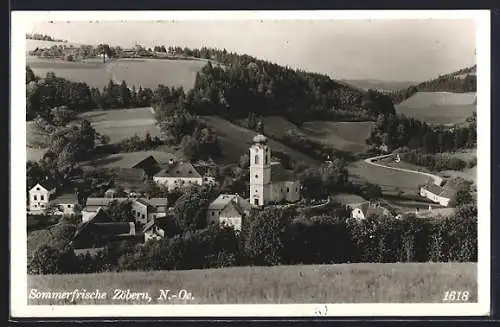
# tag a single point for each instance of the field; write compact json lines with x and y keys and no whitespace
{"x":151,"y":72}
{"x":468,"y":174}
{"x":235,"y":141}
{"x":345,"y":136}
{"x":123,"y":123}
{"x":344,"y":283}
{"x":439,"y":107}
{"x":391,"y":181}
{"x":138,"y":72}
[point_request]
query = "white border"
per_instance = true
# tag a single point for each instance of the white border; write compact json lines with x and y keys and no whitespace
{"x":18,"y":290}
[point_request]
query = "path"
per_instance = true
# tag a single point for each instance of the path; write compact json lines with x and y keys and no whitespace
{"x":437,"y":180}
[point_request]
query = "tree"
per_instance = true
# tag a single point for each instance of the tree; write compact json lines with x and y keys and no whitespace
{"x":190,"y":209}
{"x":30,"y":76}
{"x":49,"y":260}
{"x":125,"y":96}
{"x":104,"y":50}
{"x":120,"y":211}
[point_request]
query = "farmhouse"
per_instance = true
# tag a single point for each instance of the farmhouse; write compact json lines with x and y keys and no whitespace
{"x":99,"y":231}
{"x":179,"y":174}
{"x":229,"y":210}
{"x":366,"y":209}
{"x":65,"y":203}
{"x":143,"y":209}
{"x":439,"y":194}
{"x":39,"y":197}
{"x":269,"y":181}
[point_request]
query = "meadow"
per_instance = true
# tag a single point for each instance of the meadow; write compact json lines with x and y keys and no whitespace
{"x":439,"y":107}
{"x":374,"y":84}
{"x":344,"y":136}
{"x":391,"y":181}
{"x":235,"y":140}
{"x":135,"y":72}
{"x":341,"y":283}
{"x":120,"y":124}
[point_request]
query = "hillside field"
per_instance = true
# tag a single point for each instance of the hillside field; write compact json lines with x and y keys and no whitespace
{"x":379,"y":85}
{"x":138,"y":72}
{"x":120,"y":124}
{"x":391,"y":181}
{"x":341,"y":283}
{"x":344,"y":136}
{"x":439,"y":107}
{"x":236,"y":140}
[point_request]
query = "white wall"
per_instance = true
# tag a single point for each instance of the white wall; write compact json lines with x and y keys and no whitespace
{"x":171,"y":183}
{"x":234,"y":221}
{"x":38,"y":200}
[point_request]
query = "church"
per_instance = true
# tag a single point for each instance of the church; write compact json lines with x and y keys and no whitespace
{"x":270,"y":182}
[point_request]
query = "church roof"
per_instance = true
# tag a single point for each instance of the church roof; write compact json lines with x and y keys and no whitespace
{"x":259,"y":138}
{"x":280,"y":174}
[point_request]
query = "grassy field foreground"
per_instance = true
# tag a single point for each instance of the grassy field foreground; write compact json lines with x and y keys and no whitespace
{"x":342,"y":283}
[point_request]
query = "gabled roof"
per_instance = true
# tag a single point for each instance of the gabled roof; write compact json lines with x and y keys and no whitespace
{"x":149,"y":225}
{"x":131,"y":159}
{"x":129,"y":174}
{"x":433,"y":188}
{"x":64,"y":198}
{"x":116,"y":228}
{"x":231,"y":210}
{"x":181,"y":169}
{"x":47,"y":185}
{"x":280,"y":174}
{"x":370,"y":209}
{"x":224,"y":200}
{"x":103,"y":202}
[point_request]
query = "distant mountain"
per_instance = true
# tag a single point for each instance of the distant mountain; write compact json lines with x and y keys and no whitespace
{"x":461,"y":81}
{"x":379,"y":85}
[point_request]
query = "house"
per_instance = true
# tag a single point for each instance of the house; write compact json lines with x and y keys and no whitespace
{"x":366,"y":209}
{"x":269,"y":181}
{"x":143,"y":209}
{"x":130,"y":178}
{"x":151,"y":231}
{"x":65,"y":203}
{"x":441,"y":194}
{"x":39,"y":197}
{"x":229,"y":210}
{"x":99,"y":231}
{"x":178,"y":174}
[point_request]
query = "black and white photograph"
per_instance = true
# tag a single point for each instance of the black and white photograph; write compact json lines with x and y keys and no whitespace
{"x":250,"y":163}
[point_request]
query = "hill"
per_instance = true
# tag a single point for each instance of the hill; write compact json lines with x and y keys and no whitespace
{"x":343,"y":283}
{"x":235,"y":141}
{"x":379,"y":85}
{"x":460,"y":81}
{"x":439,"y":107}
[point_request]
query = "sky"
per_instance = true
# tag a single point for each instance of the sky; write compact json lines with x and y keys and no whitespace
{"x":389,"y":50}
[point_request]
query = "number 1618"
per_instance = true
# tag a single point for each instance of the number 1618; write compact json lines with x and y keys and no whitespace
{"x":456,"y":296}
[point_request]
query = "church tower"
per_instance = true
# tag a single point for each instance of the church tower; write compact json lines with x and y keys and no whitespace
{"x":260,"y":171}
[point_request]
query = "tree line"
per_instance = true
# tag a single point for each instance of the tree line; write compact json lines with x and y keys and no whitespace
{"x":397,"y":131}
{"x":436,"y":162}
{"x":454,"y":82}
{"x":42,"y":37}
{"x":273,"y":237}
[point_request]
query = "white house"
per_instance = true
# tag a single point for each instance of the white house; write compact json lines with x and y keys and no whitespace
{"x":363,"y":210}
{"x":178,"y":174}
{"x":65,"y":203}
{"x":39,"y":198}
{"x":269,"y":181}
{"x":229,"y":210}
{"x":439,"y":194}
{"x":143,"y":209}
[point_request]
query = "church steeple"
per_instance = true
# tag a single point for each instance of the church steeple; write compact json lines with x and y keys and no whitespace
{"x":260,"y":171}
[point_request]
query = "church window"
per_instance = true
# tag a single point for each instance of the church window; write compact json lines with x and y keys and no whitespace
{"x":256,"y":161}
{"x":256,"y":201}
{"x":287,"y":189}
{"x":213,"y":213}
{"x":266,"y":159}
{"x":256,"y":176}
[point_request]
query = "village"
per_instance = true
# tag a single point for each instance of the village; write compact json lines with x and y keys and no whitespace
{"x":269,"y":184}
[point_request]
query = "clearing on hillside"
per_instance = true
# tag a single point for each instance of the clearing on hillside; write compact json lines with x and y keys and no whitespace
{"x":439,"y":107}
{"x":120,"y":124}
{"x":135,"y":72}
{"x":345,"y":136}
{"x":277,"y":126}
{"x":236,"y":140}
{"x":91,"y":72}
{"x":341,"y":283}
{"x":379,"y":85}
{"x":391,"y":181}
{"x":152,"y":72}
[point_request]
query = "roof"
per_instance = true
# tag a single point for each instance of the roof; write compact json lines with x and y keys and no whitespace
{"x":259,"y":138}
{"x":148,"y":226}
{"x":131,"y":159}
{"x":433,"y":188}
{"x":370,"y":209}
{"x":224,"y":200}
{"x":67,"y":197}
{"x":205,"y":170}
{"x":280,"y":174}
{"x":181,"y":169}
{"x":48,"y":185}
{"x":103,"y":201}
{"x":232,"y":209}
{"x":157,"y":201}
{"x":114,"y":228}
{"x":129,"y":174}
